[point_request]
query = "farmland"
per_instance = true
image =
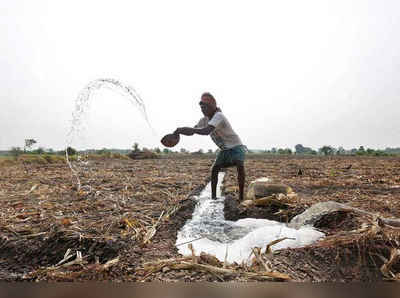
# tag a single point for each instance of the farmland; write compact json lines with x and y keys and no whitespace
{"x":125,"y":217}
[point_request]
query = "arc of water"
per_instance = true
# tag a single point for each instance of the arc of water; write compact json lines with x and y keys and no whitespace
{"x":82,"y":105}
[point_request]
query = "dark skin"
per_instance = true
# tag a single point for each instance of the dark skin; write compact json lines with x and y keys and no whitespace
{"x":209,"y":111}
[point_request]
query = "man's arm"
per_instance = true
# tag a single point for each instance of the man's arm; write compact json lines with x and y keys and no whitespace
{"x":189,"y":131}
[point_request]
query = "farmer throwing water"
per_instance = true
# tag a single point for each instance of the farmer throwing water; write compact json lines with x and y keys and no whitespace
{"x":215,"y":124}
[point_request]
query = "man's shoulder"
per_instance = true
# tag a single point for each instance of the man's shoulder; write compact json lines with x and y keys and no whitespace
{"x":219,"y":115}
{"x":217,"y":119}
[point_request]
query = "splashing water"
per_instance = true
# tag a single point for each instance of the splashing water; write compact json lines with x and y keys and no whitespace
{"x":82,"y":105}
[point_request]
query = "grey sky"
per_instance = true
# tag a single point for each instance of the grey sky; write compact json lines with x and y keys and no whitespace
{"x":284,"y":72}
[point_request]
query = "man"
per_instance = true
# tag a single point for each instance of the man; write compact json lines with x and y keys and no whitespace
{"x":232,"y":153}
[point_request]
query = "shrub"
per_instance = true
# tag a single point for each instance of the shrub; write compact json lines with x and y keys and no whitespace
{"x":71,"y":151}
{"x":143,"y":155}
{"x":380,"y":153}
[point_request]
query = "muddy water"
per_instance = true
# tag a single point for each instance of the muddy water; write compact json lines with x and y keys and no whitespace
{"x":209,"y":232}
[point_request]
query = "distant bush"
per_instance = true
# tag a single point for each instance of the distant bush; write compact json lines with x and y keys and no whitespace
{"x":40,"y":150}
{"x":198,"y":152}
{"x":284,"y":151}
{"x":380,"y":153}
{"x":143,"y":155}
{"x":327,"y":150}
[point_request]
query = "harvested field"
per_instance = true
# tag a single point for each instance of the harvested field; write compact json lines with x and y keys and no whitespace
{"x":122,"y":224}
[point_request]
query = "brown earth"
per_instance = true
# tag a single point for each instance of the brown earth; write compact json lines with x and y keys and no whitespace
{"x":132,"y":209}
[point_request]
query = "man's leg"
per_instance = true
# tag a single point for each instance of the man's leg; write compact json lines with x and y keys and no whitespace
{"x":214,"y":180}
{"x":241,"y":178}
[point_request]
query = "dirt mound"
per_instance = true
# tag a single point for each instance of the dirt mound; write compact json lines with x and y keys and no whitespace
{"x":24,"y":257}
{"x":233,"y":211}
{"x":338,"y":221}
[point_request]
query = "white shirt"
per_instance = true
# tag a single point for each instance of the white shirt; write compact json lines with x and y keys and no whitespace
{"x":223,"y":135}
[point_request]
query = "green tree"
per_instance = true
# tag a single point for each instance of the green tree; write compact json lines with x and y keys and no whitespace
{"x":29,"y":143}
{"x":284,"y":151}
{"x":370,"y":151}
{"x":71,"y":151}
{"x":380,"y":153}
{"x":300,"y":149}
{"x":341,"y":151}
{"x":327,"y":150}
{"x":39,"y":150}
{"x":136,"y":147}
{"x":102,"y":151}
{"x":360,"y":151}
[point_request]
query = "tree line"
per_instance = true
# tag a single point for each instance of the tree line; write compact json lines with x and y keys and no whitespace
{"x":299,"y":149}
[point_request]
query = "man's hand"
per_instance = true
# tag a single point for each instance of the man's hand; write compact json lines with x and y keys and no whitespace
{"x":187,"y":131}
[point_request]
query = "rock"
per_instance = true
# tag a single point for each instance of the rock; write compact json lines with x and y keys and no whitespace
{"x":209,"y":259}
{"x":277,"y":200}
{"x":231,"y":189}
{"x":314,"y":213}
{"x":247,"y":203}
{"x":280,"y":200}
{"x":263,"y":187}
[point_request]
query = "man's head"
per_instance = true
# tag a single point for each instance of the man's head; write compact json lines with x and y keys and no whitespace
{"x":208,"y":104}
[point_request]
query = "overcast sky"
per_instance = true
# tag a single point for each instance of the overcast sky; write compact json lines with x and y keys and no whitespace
{"x":283,"y":72}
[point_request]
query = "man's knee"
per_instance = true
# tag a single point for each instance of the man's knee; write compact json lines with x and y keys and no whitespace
{"x":215,"y":169}
{"x":239,"y":164}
